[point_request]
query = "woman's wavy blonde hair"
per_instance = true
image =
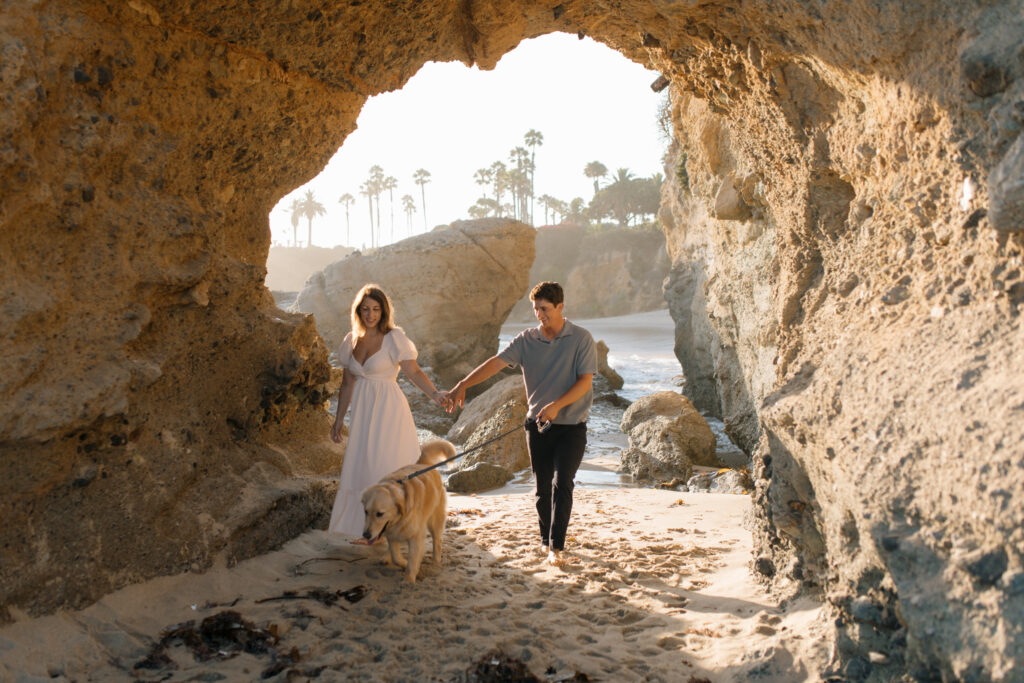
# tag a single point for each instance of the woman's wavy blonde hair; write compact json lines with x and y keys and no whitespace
{"x":372,"y":291}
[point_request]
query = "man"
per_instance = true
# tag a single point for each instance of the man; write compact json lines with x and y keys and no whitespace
{"x":558,"y":360}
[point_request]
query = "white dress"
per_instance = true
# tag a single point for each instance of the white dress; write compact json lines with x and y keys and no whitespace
{"x":382,"y":434}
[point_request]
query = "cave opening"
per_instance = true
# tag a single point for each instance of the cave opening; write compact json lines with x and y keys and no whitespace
{"x":875,"y":300}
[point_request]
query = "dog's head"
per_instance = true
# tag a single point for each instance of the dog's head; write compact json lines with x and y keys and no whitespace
{"x":384,"y":505}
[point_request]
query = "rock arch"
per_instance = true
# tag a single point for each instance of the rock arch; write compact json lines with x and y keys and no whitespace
{"x":872,"y":359}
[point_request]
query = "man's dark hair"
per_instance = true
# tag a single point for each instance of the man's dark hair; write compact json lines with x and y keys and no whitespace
{"x":549,"y":291}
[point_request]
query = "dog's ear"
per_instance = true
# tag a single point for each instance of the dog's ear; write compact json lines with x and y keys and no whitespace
{"x":398,"y":495}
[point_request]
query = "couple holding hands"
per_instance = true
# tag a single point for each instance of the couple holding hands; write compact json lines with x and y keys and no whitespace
{"x":558,"y":362}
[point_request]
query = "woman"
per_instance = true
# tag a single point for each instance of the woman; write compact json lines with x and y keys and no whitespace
{"x":382,"y":434}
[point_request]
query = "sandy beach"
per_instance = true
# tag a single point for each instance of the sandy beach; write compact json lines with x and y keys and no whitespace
{"x":657,"y":589}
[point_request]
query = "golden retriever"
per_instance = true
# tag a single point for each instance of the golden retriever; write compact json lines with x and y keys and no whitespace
{"x":403,"y":510}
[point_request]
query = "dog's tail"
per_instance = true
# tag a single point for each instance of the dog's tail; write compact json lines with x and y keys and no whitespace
{"x":436,"y":451}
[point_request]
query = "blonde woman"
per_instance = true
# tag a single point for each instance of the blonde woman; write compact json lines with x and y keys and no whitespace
{"x":382,"y":434}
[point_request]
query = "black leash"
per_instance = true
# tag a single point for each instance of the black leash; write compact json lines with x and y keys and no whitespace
{"x":466,"y":452}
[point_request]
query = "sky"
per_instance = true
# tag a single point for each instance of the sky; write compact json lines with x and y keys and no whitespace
{"x":589,"y":102}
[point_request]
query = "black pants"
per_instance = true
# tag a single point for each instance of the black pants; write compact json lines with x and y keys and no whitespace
{"x":555,"y":456}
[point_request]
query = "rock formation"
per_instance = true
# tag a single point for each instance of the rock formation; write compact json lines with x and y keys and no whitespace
{"x":496,"y":411}
{"x":609,"y":272}
{"x":452,"y":289}
{"x":667,"y":437}
{"x":859,"y":332}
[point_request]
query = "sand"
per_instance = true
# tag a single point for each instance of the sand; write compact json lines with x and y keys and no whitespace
{"x":657,"y":588}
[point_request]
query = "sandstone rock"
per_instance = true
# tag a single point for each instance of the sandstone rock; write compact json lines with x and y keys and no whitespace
{"x":483,"y":476}
{"x":604,"y":273}
{"x":482,"y":264}
{"x":721,"y":481}
{"x":508,"y":451}
{"x":142,"y":144}
{"x":729,"y":205}
{"x":1006,"y":190}
{"x":666,"y":437}
{"x":486,"y":406}
{"x":604,"y":371}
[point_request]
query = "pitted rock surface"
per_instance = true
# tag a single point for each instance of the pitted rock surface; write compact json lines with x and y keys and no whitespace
{"x":859,"y":333}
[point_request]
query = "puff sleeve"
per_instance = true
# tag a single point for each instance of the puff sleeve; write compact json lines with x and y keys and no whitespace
{"x":402,"y":347}
{"x":345,"y":351}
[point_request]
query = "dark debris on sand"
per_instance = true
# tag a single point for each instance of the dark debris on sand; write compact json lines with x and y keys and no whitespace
{"x":221,"y":636}
{"x":323,"y":596}
{"x":497,"y":667}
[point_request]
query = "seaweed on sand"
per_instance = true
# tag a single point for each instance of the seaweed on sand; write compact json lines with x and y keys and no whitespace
{"x":220,"y":636}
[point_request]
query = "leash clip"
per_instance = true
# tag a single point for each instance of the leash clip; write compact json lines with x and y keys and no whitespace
{"x":542,"y":426}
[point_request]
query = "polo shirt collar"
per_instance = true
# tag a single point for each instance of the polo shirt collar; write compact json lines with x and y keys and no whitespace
{"x":567,"y":329}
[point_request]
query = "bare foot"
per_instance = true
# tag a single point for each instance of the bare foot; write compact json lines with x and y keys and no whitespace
{"x":544,"y":549}
{"x":556,"y":558}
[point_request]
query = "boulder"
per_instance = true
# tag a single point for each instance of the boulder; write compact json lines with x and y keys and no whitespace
{"x":721,"y":481}
{"x":452,"y":289}
{"x":666,"y":437}
{"x":509,"y":451}
{"x":482,"y":476}
{"x":605,"y":372}
{"x":485,"y":406}
{"x":1006,"y":198}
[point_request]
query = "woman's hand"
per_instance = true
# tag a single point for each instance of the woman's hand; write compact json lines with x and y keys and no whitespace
{"x":439,"y":397}
{"x":338,"y":431}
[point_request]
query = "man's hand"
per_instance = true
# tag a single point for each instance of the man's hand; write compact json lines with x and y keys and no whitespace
{"x":455,"y":398}
{"x":548,"y":412}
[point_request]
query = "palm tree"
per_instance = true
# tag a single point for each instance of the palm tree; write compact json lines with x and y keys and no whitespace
{"x":296,"y":214}
{"x":521,"y":158}
{"x":421,"y":177}
{"x":623,"y":175}
{"x":560,"y":208}
{"x":347,"y":200}
{"x":311,"y":208}
{"x":391,"y":184}
{"x":484,"y":206}
{"x":595,"y":170}
{"x":484,"y":176}
{"x":478,"y":210}
{"x":366,"y":189}
{"x":498,"y":174}
{"x":576,"y":214}
{"x":545,"y":201}
{"x":409,"y":206}
{"x":618,"y":198}
{"x":534,"y":139}
{"x":377,"y":185}
{"x":519,"y":182}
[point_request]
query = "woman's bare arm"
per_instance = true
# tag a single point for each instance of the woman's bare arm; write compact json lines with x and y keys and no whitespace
{"x":344,"y":398}
{"x":416,"y":375}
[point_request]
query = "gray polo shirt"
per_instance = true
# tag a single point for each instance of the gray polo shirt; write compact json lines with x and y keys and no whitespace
{"x":550,"y":367}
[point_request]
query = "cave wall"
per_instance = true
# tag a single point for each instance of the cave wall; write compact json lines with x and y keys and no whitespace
{"x":850,"y":219}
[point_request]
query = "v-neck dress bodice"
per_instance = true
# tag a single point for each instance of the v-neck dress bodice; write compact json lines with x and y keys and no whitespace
{"x":382,"y":433}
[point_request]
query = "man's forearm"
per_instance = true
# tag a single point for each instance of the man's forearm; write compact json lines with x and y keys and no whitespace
{"x":576,"y":391}
{"x":484,"y":371}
